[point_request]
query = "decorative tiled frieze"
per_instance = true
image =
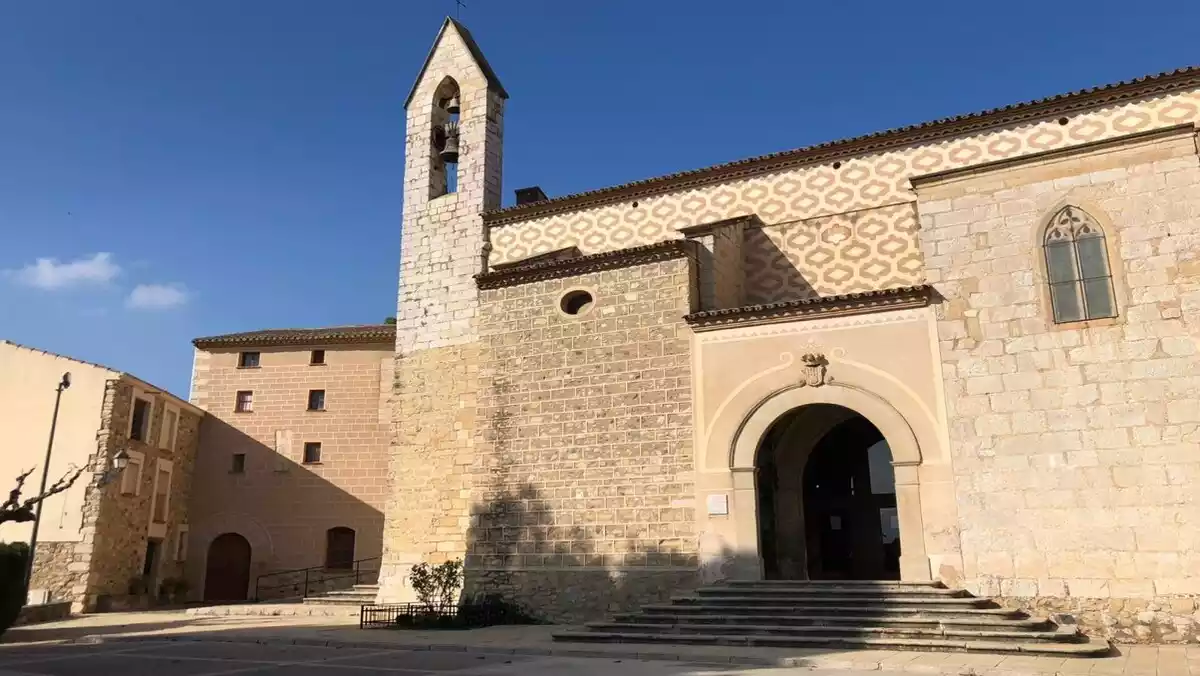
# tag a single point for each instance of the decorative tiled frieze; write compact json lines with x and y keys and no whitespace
{"x":855,"y":183}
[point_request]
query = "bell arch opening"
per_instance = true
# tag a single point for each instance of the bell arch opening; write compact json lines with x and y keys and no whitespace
{"x":444,"y":137}
{"x":826,"y":494}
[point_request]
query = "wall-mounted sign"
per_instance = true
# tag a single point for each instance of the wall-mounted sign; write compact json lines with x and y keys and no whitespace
{"x":718,"y":504}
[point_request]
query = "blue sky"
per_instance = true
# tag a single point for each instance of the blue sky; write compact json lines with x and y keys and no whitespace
{"x":189,"y":168}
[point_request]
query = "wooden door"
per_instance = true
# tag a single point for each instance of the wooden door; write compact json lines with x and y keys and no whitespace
{"x":227,"y":574}
{"x":339,"y":548}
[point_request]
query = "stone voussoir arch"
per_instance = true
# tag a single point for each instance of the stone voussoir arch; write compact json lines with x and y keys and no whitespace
{"x":746,"y":417}
{"x":212,"y":527}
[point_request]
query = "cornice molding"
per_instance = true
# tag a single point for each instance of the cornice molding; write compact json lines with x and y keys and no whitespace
{"x":571,"y":267}
{"x":703,"y":229}
{"x":813,"y":308}
{"x":933,"y":178}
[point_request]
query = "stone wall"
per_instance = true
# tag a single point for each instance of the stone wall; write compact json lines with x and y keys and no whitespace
{"x":582,"y":491}
{"x":117,"y":525}
{"x":1076,"y":446}
{"x":435,"y":431}
{"x":578,"y":596}
{"x":51,"y":569}
{"x":1161,"y":619}
{"x":45,"y":612}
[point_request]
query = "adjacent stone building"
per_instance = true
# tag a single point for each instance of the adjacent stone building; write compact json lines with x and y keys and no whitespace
{"x":292,"y":470}
{"x":116,"y":536}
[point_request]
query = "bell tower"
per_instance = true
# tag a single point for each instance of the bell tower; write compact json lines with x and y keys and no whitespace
{"x":455,"y":115}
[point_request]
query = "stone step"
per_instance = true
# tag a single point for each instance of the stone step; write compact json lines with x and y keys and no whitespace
{"x":986,"y":623}
{"x":891,"y":585}
{"x":275,"y":610}
{"x":778,"y":630}
{"x":356,"y":593}
{"x":791,"y":599}
{"x":367,"y":588}
{"x":1090,"y":648}
{"x":897,"y":584}
{"x":342,"y":600}
{"x":830,"y":592}
{"x":845,"y":611}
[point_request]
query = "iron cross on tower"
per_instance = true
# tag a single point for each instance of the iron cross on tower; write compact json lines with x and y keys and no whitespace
{"x":459,"y":4}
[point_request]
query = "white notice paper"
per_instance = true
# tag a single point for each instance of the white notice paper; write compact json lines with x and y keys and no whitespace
{"x":718,"y":505}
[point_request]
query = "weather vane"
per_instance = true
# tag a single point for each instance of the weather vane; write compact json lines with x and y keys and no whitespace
{"x":460,"y":4}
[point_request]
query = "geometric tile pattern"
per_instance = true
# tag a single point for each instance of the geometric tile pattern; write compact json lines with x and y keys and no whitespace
{"x":829,"y":255}
{"x":793,"y":200}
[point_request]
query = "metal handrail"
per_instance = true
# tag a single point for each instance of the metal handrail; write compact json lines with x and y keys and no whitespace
{"x":315,"y":574}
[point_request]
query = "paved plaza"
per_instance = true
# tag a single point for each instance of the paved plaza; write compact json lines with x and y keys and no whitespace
{"x":219,"y":659}
{"x":169,"y":643}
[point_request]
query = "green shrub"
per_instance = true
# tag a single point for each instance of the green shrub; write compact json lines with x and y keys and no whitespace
{"x":12,"y":581}
{"x":437,"y":585}
{"x":173,"y":590}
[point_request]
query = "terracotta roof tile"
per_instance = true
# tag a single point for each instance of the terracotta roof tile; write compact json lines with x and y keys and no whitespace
{"x":875,"y":142}
{"x":858,"y":302}
{"x":333,"y":335}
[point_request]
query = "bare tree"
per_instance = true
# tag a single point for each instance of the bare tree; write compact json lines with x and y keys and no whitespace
{"x":15,"y":509}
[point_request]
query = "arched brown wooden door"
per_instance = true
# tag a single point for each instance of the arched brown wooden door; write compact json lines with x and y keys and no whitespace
{"x":339,"y":548}
{"x":227,"y":574}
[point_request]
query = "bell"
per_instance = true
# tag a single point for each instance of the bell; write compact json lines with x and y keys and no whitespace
{"x":452,"y":105}
{"x":449,"y":152}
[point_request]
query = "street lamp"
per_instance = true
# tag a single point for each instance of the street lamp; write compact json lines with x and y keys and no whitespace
{"x":37,"y":514}
{"x":119,"y":462}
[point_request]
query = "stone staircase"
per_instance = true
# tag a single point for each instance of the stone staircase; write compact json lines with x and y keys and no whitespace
{"x":841,"y":614}
{"x":335,"y":603}
{"x":355,"y":597}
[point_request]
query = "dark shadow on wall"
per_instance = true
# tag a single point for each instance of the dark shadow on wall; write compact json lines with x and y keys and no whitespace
{"x":771,"y":277}
{"x":284,"y":509}
{"x":520,"y":549}
{"x":598,"y":557}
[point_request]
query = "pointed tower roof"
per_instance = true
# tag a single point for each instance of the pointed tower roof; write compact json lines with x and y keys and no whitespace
{"x":493,"y":81}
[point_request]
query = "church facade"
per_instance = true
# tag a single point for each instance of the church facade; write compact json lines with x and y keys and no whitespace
{"x":962,"y":351}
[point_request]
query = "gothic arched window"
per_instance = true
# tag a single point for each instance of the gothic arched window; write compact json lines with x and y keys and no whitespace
{"x":1077,"y":267}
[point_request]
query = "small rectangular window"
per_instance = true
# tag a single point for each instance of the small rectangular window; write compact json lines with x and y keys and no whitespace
{"x":317,"y":358}
{"x":239,"y":463}
{"x":244,"y":402}
{"x":131,"y":476}
{"x":181,"y":542}
{"x":162,"y":489}
{"x":316,"y":400}
{"x":139,"y":429}
{"x":248,"y":360}
{"x":312,"y":452}
{"x":170,"y":425}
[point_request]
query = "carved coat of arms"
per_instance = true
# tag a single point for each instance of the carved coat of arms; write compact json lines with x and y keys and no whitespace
{"x":814,"y":369}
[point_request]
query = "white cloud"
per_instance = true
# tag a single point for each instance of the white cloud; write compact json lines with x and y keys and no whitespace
{"x":156,"y":297}
{"x":49,"y":274}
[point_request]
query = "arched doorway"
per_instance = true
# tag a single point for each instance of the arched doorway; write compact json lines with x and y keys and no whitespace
{"x":339,"y":548}
{"x":227,"y":572}
{"x":827,"y":497}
